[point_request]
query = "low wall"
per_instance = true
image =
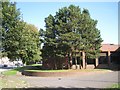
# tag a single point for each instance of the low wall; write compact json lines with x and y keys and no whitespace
{"x":49,"y":74}
{"x":90,"y":67}
{"x":80,"y":67}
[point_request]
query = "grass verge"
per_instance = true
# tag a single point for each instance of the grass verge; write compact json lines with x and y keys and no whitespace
{"x":69,"y":70}
{"x":116,"y":86}
{"x":47,"y":70}
{"x":35,"y":68}
{"x":18,"y":69}
{"x":13,"y":71}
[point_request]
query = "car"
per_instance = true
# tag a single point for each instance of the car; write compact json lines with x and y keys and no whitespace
{"x":5,"y":65}
{"x":18,"y":64}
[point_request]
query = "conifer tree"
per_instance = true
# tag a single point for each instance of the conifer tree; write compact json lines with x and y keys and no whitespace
{"x":69,"y":31}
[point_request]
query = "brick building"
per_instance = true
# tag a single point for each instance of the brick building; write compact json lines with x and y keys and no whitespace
{"x":110,"y":54}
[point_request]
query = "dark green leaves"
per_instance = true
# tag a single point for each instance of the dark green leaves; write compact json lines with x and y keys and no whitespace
{"x":71,"y":29}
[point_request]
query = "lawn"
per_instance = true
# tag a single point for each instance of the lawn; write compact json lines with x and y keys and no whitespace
{"x":13,"y":71}
{"x":35,"y":68}
{"x":48,"y":70}
{"x":116,"y":86}
{"x":10,"y":72}
{"x":19,"y":69}
{"x":70,"y":70}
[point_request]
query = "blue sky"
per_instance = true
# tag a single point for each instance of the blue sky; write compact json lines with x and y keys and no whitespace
{"x":105,"y":12}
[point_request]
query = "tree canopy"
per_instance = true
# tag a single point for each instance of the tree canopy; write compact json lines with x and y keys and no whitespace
{"x":69,"y":30}
{"x":20,"y":40}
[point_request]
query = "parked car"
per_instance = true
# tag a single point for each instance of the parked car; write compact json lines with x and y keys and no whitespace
{"x":18,"y":64}
{"x":5,"y":65}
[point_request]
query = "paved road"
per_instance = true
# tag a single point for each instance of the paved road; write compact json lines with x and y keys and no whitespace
{"x":5,"y":69}
{"x":93,"y":80}
{"x":1,"y":70}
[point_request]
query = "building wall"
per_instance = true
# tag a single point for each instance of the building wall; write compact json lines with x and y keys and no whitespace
{"x":6,"y":61}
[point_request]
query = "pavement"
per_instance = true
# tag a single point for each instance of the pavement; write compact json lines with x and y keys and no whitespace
{"x":2,"y":69}
{"x":91,"y":80}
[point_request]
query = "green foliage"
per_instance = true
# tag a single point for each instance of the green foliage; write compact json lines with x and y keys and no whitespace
{"x":69,"y":30}
{"x":10,"y":29}
{"x":30,"y":45}
{"x":116,"y":86}
{"x":19,"y":39}
{"x":91,"y":36}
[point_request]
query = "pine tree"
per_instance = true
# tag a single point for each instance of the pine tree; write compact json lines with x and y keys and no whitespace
{"x":70,"y":31}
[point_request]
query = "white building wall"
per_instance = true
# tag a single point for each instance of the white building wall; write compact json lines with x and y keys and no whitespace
{"x":6,"y":61}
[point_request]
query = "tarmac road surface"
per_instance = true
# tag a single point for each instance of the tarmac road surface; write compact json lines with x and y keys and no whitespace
{"x":92,"y":80}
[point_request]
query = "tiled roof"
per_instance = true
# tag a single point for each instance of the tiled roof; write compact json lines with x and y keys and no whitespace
{"x":109,"y":47}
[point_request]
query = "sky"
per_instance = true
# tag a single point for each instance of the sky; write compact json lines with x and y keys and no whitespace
{"x":105,"y":12}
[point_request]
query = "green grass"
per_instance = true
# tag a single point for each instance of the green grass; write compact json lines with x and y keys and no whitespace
{"x":48,"y":70}
{"x":10,"y":72}
{"x":14,"y":71}
{"x":80,"y":70}
{"x":35,"y":65}
{"x":116,"y":86}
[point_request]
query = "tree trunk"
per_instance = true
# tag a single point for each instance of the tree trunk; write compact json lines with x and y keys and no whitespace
{"x":83,"y":60}
{"x":71,"y":60}
{"x":80,"y":60}
{"x":62,"y":66}
{"x":109,"y":59}
{"x":55,"y":65}
{"x":96,"y":62}
{"x":68,"y":62}
{"x":85,"y":63}
{"x":75,"y":60}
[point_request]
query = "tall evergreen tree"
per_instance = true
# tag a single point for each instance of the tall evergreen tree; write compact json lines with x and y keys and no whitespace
{"x":90,"y":36}
{"x":69,"y":31}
